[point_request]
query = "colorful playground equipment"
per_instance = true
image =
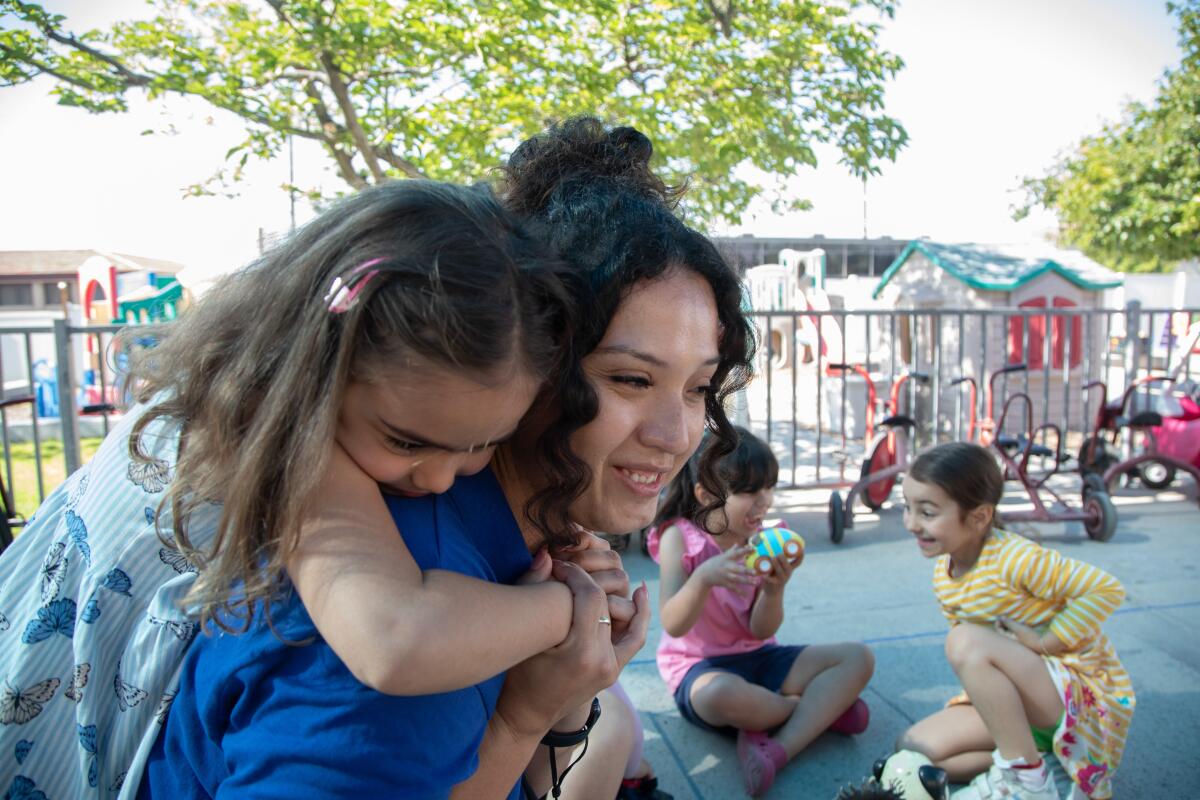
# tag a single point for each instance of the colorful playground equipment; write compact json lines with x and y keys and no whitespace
{"x":1165,"y":425}
{"x":887,"y":455}
{"x":1097,"y":513}
{"x":1169,"y":437}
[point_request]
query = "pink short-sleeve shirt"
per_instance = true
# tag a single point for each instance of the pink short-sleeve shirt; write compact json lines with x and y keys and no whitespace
{"x":724,"y":625}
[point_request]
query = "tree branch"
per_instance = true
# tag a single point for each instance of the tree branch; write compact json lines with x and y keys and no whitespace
{"x":346,"y":166}
{"x":46,"y":68}
{"x":338,"y":87}
{"x":330,"y":135}
{"x":409,"y":169}
{"x":131,"y":78}
{"x":724,"y":15}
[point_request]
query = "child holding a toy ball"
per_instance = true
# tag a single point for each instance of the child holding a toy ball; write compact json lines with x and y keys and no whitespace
{"x":1025,"y":641}
{"x":718,"y":652}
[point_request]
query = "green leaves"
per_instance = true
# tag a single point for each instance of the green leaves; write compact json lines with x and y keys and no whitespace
{"x":444,"y":89}
{"x":1130,"y":194}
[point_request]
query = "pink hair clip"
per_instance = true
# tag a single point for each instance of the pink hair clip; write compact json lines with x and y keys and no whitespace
{"x":342,"y":294}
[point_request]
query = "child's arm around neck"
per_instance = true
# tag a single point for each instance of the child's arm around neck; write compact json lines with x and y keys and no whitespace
{"x":400,"y":630}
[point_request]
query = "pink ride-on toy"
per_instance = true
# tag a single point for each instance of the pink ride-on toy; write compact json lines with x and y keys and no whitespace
{"x":1098,"y":514}
{"x":1169,"y":434}
{"x":886,"y":460}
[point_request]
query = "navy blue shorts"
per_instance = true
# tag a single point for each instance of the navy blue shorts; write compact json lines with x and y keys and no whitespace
{"x":767,"y":667}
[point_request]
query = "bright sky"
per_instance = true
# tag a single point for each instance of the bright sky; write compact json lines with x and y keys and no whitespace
{"x":992,"y":90}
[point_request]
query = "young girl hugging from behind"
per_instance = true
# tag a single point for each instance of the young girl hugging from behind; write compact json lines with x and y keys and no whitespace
{"x":364,"y":356}
{"x":1025,"y":642}
{"x":718,"y":652}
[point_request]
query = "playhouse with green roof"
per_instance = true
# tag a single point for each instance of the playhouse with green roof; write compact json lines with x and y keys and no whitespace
{"x":930,"y":276}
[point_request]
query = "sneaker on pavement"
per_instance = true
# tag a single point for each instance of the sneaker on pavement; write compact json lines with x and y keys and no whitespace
{"x":1002,"y":783}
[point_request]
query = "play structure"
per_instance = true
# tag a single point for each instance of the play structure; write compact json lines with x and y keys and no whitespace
{"x":793,"y":285}
{"x":1054,"y":289}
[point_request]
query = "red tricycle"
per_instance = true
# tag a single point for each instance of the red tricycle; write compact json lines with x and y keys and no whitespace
{"x":887,"y":455}
{"x":1098,"y":514}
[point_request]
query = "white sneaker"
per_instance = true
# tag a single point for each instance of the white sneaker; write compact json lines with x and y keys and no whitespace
{"x":1002,"y":782}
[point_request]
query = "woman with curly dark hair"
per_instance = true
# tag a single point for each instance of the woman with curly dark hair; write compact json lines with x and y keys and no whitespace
{"x":659,"y":342}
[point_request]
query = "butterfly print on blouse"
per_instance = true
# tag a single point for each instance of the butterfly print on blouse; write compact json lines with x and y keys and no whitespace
{"x":91,"y":610}
{"x":175,"y":560}
{"x":54,"y":571}
{"x":117,"y":581}
{"x":78,"y":532}
{"x":18,"y":706}
{"x":128,"y":695}
{"x":184,"y":631}
{"x":79,"y":488}
{"x":22,"y":788}
{"x":55,"y":617}
{"x":87,"y":740}
{"x":151,"y":476}
{"x":164,"y":705}
{"x":78,"y":681}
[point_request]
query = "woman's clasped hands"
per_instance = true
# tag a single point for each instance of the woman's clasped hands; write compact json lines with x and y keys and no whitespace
{"x":554,"y":690}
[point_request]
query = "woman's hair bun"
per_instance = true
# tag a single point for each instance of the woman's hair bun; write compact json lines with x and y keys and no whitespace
{"x":629,"y":145}
{"x":582,"y":150}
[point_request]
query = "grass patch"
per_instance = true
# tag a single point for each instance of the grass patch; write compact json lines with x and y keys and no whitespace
{"x":24,"y":485}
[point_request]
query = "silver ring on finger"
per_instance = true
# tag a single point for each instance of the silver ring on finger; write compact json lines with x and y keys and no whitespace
{"x":605,"y":620}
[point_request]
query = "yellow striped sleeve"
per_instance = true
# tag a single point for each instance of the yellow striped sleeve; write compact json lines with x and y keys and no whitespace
{"x":1090,"y":594}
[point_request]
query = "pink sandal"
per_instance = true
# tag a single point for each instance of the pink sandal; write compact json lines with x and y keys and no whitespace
{"x":853,"y":720}
{"x":761,"y":757}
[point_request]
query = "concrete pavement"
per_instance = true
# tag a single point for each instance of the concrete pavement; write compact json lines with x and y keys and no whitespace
{"x":876,"y":587}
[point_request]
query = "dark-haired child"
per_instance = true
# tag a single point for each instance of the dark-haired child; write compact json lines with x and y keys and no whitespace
{"x":718,"y":652}
{"x":1025,"y":642}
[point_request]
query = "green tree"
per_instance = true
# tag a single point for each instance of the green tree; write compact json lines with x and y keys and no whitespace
{"x":443,"y":88}
{"x":1129,"y":196}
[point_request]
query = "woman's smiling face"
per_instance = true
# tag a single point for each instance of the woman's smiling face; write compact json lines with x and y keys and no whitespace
{"x":651,"y":373}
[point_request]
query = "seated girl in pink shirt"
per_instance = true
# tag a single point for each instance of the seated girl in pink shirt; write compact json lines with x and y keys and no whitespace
{"x":718,"y":652}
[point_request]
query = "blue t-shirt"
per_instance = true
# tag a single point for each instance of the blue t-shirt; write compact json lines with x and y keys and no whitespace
{"x":256,"y":717}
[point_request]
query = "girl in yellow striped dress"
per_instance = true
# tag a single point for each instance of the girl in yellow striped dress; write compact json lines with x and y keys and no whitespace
{"x":1025,"y":641}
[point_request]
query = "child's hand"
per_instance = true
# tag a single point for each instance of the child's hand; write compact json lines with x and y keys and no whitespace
{"x":781,"y":572}
{"x":539,"y":570}
{"x":727,"y":570}
{"x":597,"y":558}
{"x":1022,"y":633}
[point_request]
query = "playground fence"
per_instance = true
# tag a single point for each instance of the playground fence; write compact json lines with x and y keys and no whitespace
{"x":812,"y":416}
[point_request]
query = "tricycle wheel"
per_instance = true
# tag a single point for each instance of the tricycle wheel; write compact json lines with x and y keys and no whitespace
{"x":1156,"y":475}
{"x":837,"y":518}
{"x":1093,"y":482}
{"x":1101,"y":520}
{"x":874,"y":495}
{"x":1095,"y":455}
